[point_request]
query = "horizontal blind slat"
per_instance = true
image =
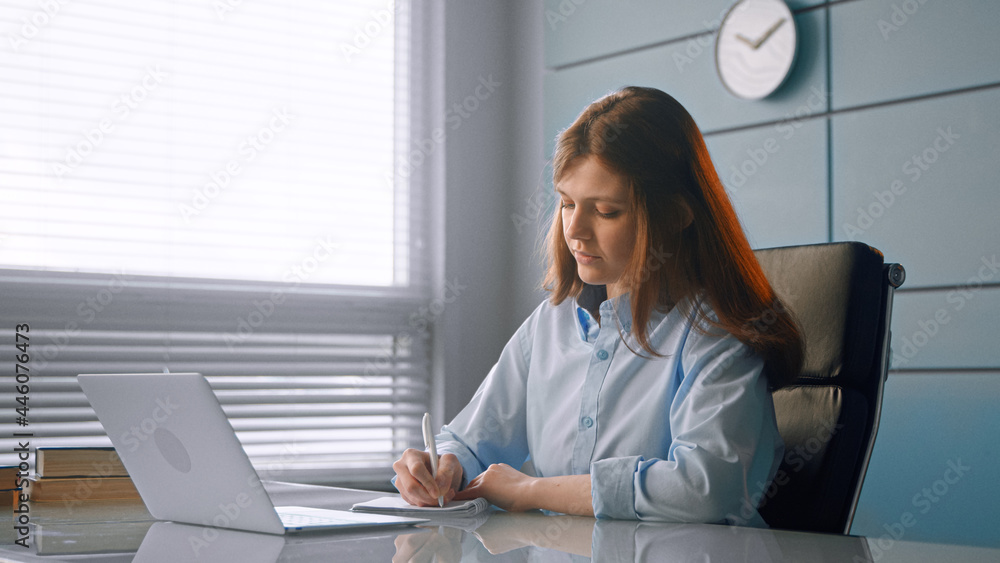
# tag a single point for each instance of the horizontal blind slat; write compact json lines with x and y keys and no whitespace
{"x":324,"y":371}
{"x":311,"y":115}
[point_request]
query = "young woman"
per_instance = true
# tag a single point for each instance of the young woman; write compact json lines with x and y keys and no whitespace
{"x":641,"y":388}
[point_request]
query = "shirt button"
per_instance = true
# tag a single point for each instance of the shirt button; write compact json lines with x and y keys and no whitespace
{"x":587,"y":421}
{"x":627,"y":327}
{"x":602,"y":355}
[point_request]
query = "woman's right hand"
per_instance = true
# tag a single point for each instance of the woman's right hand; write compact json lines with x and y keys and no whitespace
{"x":414,"y":480}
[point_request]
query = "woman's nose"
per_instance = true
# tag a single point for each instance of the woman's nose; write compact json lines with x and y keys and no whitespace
{"x":576,"y":226}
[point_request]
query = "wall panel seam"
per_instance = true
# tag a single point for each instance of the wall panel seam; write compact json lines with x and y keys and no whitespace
{"x":853,"y":109}
{"x":829,"y":128}
{"x":945,"y":371}
{"x":938,"y":288}
{"x":657,"y":44}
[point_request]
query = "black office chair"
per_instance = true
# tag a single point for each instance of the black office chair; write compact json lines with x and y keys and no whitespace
{"x":841,"y":294}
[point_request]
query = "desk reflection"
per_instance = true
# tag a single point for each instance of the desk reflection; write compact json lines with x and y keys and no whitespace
{"x":619,"y":540}
{"x":495,"y":536}
{"x":538,"y":537}
{"x":440,"y":545}
{"x":505,"y":532}
{"x":169,"y":542}
{"x":182,"y":543}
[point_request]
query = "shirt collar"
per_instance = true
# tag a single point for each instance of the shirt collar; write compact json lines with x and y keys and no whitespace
{"x":586,"y":325}
{"x":610,"y":309}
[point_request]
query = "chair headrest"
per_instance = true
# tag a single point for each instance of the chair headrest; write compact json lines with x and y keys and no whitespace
{"x":835,"y":293}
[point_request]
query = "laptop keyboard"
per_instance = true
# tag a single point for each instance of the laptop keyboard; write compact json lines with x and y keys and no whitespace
{"x":292,"y":520}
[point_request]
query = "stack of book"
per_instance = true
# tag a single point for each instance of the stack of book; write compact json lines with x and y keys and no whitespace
{"x":80,"y":474}
{"x":9,"y":489}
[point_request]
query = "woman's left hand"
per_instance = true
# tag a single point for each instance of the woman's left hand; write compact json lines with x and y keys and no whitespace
{"x":503,"y":486}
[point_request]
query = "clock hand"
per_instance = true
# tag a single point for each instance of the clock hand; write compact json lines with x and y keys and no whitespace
{"x":745,"y":40}
{"x":768,"y":34}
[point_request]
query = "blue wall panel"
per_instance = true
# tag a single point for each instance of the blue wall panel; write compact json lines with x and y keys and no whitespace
{"x":933,"y":426}
{"x":888,"y":49}
{"x":950,"y":328}
{"x":776,"y":174}
{"x":686,"y":70}
{"x":943,"y":157}
{"x":577,"y":30}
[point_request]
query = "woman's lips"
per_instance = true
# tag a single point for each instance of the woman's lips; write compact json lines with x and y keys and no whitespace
{"x":584,"y":258}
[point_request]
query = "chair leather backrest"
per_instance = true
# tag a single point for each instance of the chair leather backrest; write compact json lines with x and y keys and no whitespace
{"x":835,"y":291}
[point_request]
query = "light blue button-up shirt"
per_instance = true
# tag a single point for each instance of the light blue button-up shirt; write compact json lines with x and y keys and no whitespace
{"x":690,"y":437}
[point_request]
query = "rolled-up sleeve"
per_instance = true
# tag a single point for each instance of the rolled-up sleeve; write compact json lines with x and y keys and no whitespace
{"x":724,"y":444}
{"x":613,"y":495}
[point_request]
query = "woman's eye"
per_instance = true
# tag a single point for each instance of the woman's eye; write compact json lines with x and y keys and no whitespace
{"x":565,"y":205}
{"x":609,"y":214}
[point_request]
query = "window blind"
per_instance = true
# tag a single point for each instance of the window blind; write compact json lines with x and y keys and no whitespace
{"x":213,"y":187}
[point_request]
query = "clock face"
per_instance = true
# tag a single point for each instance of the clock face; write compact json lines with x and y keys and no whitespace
{"x":755,"y":47}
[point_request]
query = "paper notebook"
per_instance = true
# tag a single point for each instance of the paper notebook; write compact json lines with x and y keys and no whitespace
{"x":396,"y":505}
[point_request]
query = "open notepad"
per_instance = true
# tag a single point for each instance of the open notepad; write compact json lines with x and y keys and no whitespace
{"x":398,"y":506}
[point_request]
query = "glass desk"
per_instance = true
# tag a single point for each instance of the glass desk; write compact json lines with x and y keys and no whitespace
{"x":122,"y":531}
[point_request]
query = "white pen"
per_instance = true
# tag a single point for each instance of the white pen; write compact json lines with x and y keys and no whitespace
{"x":432,"y":448}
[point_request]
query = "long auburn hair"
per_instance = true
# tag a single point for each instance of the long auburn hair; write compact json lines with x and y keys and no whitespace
{"x":689,"y":240}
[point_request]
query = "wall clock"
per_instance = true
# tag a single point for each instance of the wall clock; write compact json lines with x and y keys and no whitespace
{"x":755,"y":47}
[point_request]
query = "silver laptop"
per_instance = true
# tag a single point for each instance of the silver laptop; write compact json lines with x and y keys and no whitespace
{"x":187,"y":463}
